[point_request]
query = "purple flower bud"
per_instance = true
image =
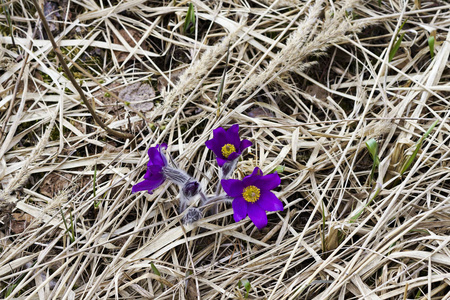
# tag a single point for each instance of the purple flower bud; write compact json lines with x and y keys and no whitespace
{"x":191,"y":216}
{"x":190,"y":189}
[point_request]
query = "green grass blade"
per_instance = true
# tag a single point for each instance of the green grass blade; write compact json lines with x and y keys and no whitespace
{"x":358,"y":214}
{"x":372,"y":146}
{"x":69,"y":230}
{"x":323,"y":228}
{"x":222,"y":82}
{"x":397,"y":43}
{"x":9,"y":21}
{"x":95,"y":178}
{"x":418,"y":146}
{"x":189,"y":23}
{"x":278,"y":169}
{"x":246,"y":284}
{"x":395,"y":47}
{"x":156,"y":271}
{"x":431,"y":41}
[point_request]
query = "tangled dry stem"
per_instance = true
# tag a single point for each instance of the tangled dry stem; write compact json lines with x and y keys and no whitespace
{"x":308,"y":82}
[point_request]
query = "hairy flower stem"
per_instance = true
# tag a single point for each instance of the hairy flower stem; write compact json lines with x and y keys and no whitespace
{"x":190,"y":189}
{"x":73,"y":80}
{"x":217,"y":199}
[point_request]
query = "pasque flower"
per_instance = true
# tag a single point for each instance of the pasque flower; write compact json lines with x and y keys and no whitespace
{"x":252,"y":196}
{"x":154,"y":176}
{"x":226,"y":144}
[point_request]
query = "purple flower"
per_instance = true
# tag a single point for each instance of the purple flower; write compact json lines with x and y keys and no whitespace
{"x":154,"y":176}
{"x":227,"y":145}
{"x":252,"y":196}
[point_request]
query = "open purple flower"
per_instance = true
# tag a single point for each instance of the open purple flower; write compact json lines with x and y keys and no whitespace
{"x":252,"y":196}
{"x":154,"y":176}
{"x":227,"y":145}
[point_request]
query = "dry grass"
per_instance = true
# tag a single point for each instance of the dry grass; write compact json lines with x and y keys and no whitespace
{"x":309,"y":82}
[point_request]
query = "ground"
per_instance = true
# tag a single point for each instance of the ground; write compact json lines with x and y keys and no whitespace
{"x":347,"y":100}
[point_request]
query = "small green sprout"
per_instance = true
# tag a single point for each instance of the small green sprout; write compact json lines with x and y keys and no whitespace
{"x":189,"y":23}
{"x":156,"y":271}
{"x":323,"y":227}
{"x":397,"y":44}
{"x":358,"y":214}
{"x":70,"y":230}
{"x":279,"y":169}
{"x":8,"y":20}
{"x":418,"y":146}
{"x":372,"y":146}
{"x":94,"y":188}
{"x":431,"y":41}
{"x":222,"y":82}
{"x":246,"y":284}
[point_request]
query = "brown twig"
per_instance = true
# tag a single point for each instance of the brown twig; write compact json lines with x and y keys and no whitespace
{"x":113,"y":95}
{"x":73,"y":80}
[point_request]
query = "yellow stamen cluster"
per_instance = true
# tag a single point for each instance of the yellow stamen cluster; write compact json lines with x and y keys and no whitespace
{"x":227,"y":150}
{"x":251,"y":194}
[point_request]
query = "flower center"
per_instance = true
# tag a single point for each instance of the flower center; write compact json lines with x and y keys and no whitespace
{"x":251,"y":194}
{"x":227,"y":150}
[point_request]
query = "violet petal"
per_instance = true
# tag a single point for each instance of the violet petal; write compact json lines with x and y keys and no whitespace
{"x":232,"y":187}
{"x":215,"y":146}
{"x":152,"y":172}
{"x":244,"y":144}
{"x":155,"y":157}
{"x":220,"y":135}
{"x":147,"y":185}
{"x":239,"y":208}
{"x":257,"y":215}
{"x":221,"y":161}
{"x":268,"y":182}
{"x":233,"y":155}
{"x":252,"y":178}
{"x":233,"y":136}
{"x":269,"y":202}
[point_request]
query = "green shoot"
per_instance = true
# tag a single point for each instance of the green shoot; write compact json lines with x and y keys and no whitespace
{"x":70,"y":230}
{"x":13,"y":286}
{"x":222,"y":83}
{"x":9,"y":21}
{"x":358,"y":214}
{"x":156,"y":271}
{"x":95,"y":178}
{"x":431,"y":41}
{"x":418,"y":146}
{"x":94,"y":188}
{"x":189,"y":23}
{"x":397,"y":44}
{"x":246,"y":284}
{"x":372,"y":146}
{"x":278,"y":169}
{"x":323,"y":228}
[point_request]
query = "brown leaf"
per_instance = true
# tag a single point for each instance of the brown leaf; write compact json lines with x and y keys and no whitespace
{"x":54,"y":183}
{"x":191,"y":290}
{"x":130,"y":35}
{"x":20,"y":221}
{"x":139,"y":95}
